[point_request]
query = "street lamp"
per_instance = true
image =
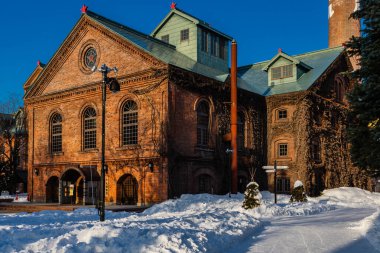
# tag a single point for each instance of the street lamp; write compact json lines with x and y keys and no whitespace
{"x":114,"y":86}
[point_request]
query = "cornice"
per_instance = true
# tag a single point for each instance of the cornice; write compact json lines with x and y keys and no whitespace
{"x":137,"y":77}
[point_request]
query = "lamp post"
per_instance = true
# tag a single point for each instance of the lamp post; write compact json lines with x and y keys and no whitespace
{"x":114,"y":87}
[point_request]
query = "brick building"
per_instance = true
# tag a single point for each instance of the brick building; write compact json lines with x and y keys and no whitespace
{"x":166,"y":129}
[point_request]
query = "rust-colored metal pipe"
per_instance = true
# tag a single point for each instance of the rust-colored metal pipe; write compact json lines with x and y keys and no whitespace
{"x":234,"y":160}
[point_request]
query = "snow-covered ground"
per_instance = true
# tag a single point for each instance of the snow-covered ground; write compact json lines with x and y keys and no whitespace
{"x":341,"y":220}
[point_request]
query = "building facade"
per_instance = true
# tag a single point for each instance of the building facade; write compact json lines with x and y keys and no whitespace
{"x":167,"y":129}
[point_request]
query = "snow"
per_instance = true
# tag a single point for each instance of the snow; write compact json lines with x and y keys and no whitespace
{"x":298,"y":183}
{"x":346,"y":219}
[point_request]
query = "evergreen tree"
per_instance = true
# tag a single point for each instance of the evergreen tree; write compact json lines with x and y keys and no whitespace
{"x":364,"y":129}
{"x":252,"y":196}
{"x":298,"y":193}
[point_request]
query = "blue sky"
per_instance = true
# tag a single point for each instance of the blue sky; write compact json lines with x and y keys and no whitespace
{"x":33,"y":30}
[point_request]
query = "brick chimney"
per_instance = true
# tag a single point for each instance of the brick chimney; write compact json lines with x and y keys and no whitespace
{"x":341,"y":27}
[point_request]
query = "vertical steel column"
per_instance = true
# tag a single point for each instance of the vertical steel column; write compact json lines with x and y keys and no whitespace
{"x":103,"y":174}
{"x":234,"y":162}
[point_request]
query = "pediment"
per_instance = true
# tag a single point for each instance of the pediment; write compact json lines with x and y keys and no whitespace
{"x":68,"y":70}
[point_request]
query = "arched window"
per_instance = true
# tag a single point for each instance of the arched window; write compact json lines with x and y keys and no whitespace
{"x":89,"y":128}
{"x":241,"y":131}
{"x":130,"y":123}
{"x":56,"y":133}
{"x":340,"y":89}
{"x":203,"y":124}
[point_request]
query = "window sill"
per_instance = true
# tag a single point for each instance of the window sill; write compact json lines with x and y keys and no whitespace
{"x":56,"y":154}
{"x":128,"y":147}
{"x":282,"y":159}
{"x":93,"y":150}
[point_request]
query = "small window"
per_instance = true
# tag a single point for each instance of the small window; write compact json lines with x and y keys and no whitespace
{"x":283,"y":150}
{"x":282,"y":114}
{"x":204,"y":45}
{"x":282,"y":72}
{"x":165,"y":38}
{"x":185,"y":35}
{"x":283,"y":185}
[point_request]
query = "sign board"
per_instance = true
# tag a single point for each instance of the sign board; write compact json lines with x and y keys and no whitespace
{"x":278,"y":167}
{"x":268,"y":171}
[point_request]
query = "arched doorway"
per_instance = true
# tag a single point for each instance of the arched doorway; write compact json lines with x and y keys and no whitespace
{"x":72,"y":187}
{"x":127,"y":190}
{"x":205,"y":184}
{"x":52,"y":187}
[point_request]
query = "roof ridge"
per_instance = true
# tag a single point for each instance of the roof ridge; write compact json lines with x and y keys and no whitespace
{"x":296,"y":55}
{"x":127,"y":28}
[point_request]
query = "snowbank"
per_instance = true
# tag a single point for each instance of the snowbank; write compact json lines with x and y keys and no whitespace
{"x":193,"y":223}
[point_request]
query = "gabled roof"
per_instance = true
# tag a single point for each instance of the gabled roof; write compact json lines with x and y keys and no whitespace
{"x":191,"y":18}
{"x":156,"y":48}
{"x":288,"y":57}
{"x":254,"y":78}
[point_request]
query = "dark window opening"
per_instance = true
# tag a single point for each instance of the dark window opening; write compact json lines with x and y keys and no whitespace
{"x":205,"y":184}
{"x":165,"y":38}
{"x":185,"y":35}
{"x":282,"y":114}
{"x":203,"y":124}
{"x":283,"y":185}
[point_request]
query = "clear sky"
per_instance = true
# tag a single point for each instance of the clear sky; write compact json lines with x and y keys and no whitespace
{"x":33,"y":30}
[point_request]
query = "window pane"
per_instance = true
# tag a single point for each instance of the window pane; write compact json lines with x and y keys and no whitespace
{"x":282,"y":114}
{"x":165,"y":38}
{"x":89,"y":129}
{"x":130,"y":124}
{"x":202,"y":124}
{"x":184,"y":34}
{"x":56,"y":133}
{"x":283,"y":149}
{"x":276,"y":73}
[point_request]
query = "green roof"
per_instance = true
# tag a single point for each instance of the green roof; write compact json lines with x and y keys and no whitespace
{"x":158,"y":49}
{"x":254,"y":78}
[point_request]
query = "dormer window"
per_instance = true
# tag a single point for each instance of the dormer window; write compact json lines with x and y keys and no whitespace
{"x":282,"y":72}
{"x":185,"y":35}
{"x":165,"y":38}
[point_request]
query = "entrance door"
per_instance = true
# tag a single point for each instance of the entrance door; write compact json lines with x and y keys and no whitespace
{"x":52,"y":187}
{"x":72,"y":187}
{"x":127,"y":190}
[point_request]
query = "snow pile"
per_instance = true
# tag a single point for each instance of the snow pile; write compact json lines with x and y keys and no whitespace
{"x":297,"y":183}
{"x":350,"y":197}
{"x":193,"y":223}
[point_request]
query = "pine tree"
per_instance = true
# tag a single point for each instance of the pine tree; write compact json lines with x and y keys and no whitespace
{"x":252,"y":196}
{"x":298,"y":193}
{"x":364,"y":129}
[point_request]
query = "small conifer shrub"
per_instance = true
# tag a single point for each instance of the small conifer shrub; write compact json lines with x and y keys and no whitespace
{"x":252,"y":196}
{"x":298,"y":193}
